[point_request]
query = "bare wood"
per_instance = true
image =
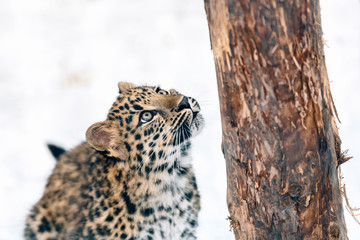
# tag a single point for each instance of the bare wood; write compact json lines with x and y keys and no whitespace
{"x":280,"y":139}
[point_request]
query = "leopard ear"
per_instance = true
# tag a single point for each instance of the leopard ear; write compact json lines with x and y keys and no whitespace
{"x":103,"y":136}
{"x":124,"y":86}
{"x":99,"y":136}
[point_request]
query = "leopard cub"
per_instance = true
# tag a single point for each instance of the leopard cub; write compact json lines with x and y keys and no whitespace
{"x":131,"y":179}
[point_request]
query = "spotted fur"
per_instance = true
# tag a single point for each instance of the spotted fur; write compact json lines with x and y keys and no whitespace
{"x":131,"y":179}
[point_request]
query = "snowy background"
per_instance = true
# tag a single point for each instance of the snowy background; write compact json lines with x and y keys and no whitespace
{"x":60,"y":61}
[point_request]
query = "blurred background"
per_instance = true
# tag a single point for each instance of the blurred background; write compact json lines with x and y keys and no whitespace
{"x":60,"y":61}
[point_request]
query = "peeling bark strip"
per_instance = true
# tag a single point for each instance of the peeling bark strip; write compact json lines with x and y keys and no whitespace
{"x":279,"y":131}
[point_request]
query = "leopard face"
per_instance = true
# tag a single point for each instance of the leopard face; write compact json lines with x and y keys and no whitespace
{"x":146,"y":125}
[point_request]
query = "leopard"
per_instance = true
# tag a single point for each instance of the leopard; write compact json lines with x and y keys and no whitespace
{"x":132,"y":178}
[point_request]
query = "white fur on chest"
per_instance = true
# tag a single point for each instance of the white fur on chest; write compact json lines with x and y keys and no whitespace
{"x":172,"y":212}
{"x":170,"y":219}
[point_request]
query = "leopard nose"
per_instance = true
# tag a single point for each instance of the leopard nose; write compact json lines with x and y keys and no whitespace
{"x":184,"y":103}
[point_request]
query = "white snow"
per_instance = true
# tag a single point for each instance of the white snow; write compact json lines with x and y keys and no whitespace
{"x":60,"y":61}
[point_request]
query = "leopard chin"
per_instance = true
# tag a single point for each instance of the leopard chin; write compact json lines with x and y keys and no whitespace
{"x":197,"y":124}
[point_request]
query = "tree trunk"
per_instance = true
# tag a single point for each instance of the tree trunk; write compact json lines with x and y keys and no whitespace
{"x":280,"y":139}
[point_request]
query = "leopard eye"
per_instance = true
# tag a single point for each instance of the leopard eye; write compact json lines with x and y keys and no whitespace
{"x":162,"y":92}
{"x":146,"y":116}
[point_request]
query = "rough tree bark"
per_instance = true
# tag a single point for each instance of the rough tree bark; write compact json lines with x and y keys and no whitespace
{"x":280,"y":139}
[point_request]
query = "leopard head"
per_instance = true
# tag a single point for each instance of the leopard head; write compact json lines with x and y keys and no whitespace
{"x":146,"y":124}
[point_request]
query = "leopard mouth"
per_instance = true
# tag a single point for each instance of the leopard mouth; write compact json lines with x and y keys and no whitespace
{"x":188,"y":127}
{"x":194,"y":114}
{"x":182,"y":133}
